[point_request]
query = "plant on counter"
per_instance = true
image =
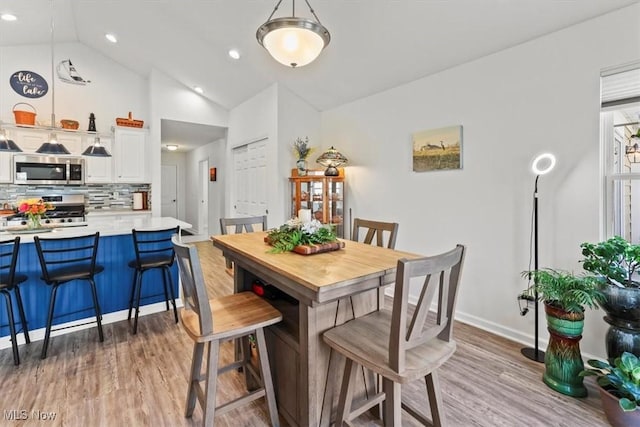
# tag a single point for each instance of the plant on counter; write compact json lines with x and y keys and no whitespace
{"x":294,"y":233}
{"x":34,"y":209}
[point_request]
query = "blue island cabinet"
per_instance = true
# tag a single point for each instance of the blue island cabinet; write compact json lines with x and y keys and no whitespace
{"x":73,"y":302}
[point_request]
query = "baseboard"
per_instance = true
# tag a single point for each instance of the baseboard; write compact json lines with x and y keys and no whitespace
{"x":76,"y":325}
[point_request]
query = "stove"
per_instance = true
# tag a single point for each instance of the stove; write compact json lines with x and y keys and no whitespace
{"x":68,"y":209}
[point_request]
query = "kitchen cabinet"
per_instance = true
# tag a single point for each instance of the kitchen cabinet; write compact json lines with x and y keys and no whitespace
{"x":6,"y":167}
{"x":323,"y":195}
{"x":30,"y":139}
{"x":129,"y":154}
{"x":98,"y":170}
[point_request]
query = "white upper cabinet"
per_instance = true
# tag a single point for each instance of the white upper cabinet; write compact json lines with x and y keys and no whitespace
{"x":98,"y":170}
{"x":30,"y":139}
{"x":6,"y":167}
{"x":129,"y":153}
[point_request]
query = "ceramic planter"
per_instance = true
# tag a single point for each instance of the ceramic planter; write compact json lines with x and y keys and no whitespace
{"x":562,"y":360}
{"x":615,"y":415}
{"x":622,"y":306}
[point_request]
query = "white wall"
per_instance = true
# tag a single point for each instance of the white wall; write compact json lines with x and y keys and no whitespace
{"x":169,"y":99}
{"x":179,"y":160}
{"x":113,"y":91}
{"x":542,"y":95}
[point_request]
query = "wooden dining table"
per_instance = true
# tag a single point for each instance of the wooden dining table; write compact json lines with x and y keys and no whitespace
{"x":314,"y":293}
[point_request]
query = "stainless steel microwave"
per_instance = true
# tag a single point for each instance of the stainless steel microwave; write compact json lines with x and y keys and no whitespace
{"x":34,"y":169}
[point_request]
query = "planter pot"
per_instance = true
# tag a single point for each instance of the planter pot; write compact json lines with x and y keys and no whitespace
{"x":615,"y":415}
{"x":301,"y":164}
{"x":562,"y":360}
{"x":622,"y":306}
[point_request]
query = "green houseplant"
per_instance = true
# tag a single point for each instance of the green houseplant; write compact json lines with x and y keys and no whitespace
{"x":617,"y":262}
{"x":296,"y":233}
{"x":619,"y":388}
{"x":565,"y":297}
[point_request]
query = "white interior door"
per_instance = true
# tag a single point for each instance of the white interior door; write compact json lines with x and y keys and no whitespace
{"x":169,"y":197}
{"x":250,"y":179}
{"x":203,"y":196}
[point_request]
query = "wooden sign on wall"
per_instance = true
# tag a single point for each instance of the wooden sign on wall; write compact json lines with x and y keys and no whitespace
{"x":29,"y":84}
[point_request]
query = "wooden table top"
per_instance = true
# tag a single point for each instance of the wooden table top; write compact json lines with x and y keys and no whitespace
{"x":323,"y":272}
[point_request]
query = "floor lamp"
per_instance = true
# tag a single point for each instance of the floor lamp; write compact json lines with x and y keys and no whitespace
{"x":541,"y":165}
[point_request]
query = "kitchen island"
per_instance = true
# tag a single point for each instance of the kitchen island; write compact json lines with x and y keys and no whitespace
{"x":115,"y":250}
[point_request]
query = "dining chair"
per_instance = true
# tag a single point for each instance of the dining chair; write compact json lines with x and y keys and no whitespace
{"x":404,"y":344}
{"x":239,"y":225}
{"x":153,"y":250}
{"x":375,"y":229}
{"x":69,"y":260}
{"x":212,"y":321}
{"x":10,"y":281}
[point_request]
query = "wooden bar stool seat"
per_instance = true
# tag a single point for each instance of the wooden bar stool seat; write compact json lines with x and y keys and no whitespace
{"x":66,"y":260}
{"x":9,"y":282}
{"x":402,"y":346}
{"x":213,"y":321}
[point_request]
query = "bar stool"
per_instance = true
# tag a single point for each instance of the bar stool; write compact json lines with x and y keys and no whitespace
{"x":153,"y":250}
{"x":9,"y":281}
{"x":65,"y":260}
{"x":239,"y":225}
{"x":212,"y":321}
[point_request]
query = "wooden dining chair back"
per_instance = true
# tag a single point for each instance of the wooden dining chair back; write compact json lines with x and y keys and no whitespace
{"x":405,"y":344}
{"x":241,"y":225}
{"x":10,"y":281}
{"x":212,"y":321}
{"x":375,"y":229}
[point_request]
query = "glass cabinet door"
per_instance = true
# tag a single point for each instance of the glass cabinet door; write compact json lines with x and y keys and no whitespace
{"x":323,"y":195}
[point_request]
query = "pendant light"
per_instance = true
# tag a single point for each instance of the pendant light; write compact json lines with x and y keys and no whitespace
{"x":96,"y":150}
{"x":7,"y":145}
{"x":293,"y":41}
{"x":52,"y":146}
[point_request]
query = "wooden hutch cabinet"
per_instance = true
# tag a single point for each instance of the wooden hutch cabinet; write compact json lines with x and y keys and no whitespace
{"x":324,"y":195}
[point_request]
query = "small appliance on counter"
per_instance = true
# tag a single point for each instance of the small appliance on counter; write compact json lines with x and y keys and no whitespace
{"x":140,"y":200}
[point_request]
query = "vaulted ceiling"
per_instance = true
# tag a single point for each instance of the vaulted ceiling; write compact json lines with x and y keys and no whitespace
{"x":375,"y":44}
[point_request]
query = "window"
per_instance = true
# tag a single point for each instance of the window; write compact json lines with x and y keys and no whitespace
{"x":620,"y":124}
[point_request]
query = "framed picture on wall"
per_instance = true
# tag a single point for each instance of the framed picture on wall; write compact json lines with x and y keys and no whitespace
{"x":437,"y":149}
{"x":212,"y":174}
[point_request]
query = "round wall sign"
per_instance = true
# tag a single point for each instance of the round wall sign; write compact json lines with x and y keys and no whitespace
{"x":29,"y":84}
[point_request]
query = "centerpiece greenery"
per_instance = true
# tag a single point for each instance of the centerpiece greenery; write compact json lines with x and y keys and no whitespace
{"x":301,"y":148}
{"x":294,"y":233}
{"x":34,"y":209}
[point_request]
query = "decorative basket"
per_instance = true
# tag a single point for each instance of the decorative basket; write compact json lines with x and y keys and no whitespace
{"x":129,"y":122}
{"x":25,"y":117}
{"x":69,"y":124}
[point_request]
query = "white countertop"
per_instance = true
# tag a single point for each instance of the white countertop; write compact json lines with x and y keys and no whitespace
{"x":115,"y":212}
{"x":106,"y":228}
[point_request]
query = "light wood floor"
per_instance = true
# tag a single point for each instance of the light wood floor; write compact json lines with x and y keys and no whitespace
{"x":141,"y":380}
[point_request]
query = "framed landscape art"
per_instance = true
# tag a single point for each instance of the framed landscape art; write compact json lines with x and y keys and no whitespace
{"x":437,"y":149}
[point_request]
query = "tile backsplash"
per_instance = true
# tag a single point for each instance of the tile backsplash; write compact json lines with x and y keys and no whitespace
{"x":97,"y":196}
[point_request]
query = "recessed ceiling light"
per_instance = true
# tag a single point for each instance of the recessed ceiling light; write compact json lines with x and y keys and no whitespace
{"x":234,"y":53}
{"x":111,"y":37}
{"x":8,"y":17}
{"x":198,"y":89}
{"x":172,"y":147}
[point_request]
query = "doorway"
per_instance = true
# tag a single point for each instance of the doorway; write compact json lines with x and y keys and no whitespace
{"x":203,"y":196}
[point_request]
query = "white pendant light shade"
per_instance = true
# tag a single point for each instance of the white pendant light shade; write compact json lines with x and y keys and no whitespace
{"x":293,"y":41}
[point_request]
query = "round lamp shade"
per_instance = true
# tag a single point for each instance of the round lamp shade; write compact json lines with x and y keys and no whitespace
{"x":543,"y":163}
{"x":331,"y":159}
{"x":293,"y":42}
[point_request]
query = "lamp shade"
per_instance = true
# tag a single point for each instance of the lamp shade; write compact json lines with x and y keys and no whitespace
{"x":96,"y":149}
{"x":52,"y":146}
{"x":331,"y":159}
{"x":292,"y":41}
{"x":7,"y":145}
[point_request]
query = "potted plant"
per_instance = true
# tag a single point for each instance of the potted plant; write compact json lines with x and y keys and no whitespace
{"x":617,"y":262}
{"x":302,"y":150}
{"x":303,"y":237}
{"x":619,"y":388}
{"x":565,"y":297}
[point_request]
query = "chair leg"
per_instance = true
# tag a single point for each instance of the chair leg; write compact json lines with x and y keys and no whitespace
{"x":23,"y":318}
{"x":194,"y":378}
{"x":435,"y":399}
{"x":96,"y":308}
{"x":164,"y":286}
{"x":133,"y":292}
{"x":12,"y":328}
{"x":209,"y":404}
{"x":47,"y":334}
{"x":346,"y":392}
{"x":250,"y":382}
{"x":392,"y":403}
{"x":139,"y":292}
{"x":171,"y":294}
{"x":266,"y":378}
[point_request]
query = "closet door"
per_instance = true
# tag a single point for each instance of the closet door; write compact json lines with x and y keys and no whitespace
{"x":249,"y":191}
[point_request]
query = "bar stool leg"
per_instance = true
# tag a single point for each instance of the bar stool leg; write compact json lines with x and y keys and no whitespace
{"x":194,"y":378}
{"x":12,"y":328}
{"x":23,"y":318}
{"x":171,"y":294}
{"x":133,"y":292}
{"x":96,"y":307}
{"x":139,"y":289}
{"x":47,"y":334}
{"x":266,"y":378}
{"x":164,"y":286}
{"x":209,"y":404}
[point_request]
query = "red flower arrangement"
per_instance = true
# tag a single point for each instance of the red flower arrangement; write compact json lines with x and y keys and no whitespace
{"x":34,"y":209}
